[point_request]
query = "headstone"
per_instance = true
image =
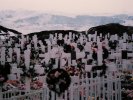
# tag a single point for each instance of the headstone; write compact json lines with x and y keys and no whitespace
{"x":47,"y":58}
{"x":112,"y":38}
{"x":100,"y":53}
{"x":124,"y":46}
{"x":74,"y":62}
{"x":60,"y":36}
{"x":89,"y":56}
{"x":17,"y":50}
{"x":100,"y":34}
{"x":3,"y":55}
{"x":88,"y":68}
{"x":70,"y":35}
{"x":124,"y":37}
{"x":43,"y":48}
{"x":87,"y":47}
{"x":12,"y":77}
{"x":112,"y":67}
{"x":56,"y":35}
{"x":54,"y":52}
{"x":98,"y":39}
{"x":42,"y":79}
{"x":108,"y":35}
{"x":9,"y":43}
{"x":22,"y":41}
{"x":27,"y":83}
{"x":51,"y":36}
{"x":10,"y":54}
{"x":15,"y":73}
{"x":63,"y":61}
{"x":124,"y":64}
{"x":80,"y":55}
{"x":116,"y":37}
{"x":130,"y":54}
{"x":121,"y":43}
{"x":81,"y":40}
{"x":73,"y":36}
{"x":74,"y":44}
{"x":130,"y":46}
{"x":84,"y":61}
{"x":69,"y":59}
{"x":89,"y":37}
{"x":35,"y":41}
{"x":39,"y":69}
{"x":65,"y":38}
{"x":29,"y":46}
{"x":27,"y":58}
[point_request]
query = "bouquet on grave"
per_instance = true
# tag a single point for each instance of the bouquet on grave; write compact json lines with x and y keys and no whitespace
{"x":10,"y":84}
{"x":36,"y":84}
{"x":70,"y":70}
{"x":127,"y":94}
{"x":29,"y":72}
{"x":21,"y":86}
{"x":13,"y":82}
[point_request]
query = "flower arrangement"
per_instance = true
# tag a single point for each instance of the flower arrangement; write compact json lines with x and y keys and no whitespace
{"x":29,"y":72}
{"x":74,"y":71}
{"x":58,"y":80}
{"x":127,"y":85}
{"x":35,"y":85}
{"x":10,"y":84}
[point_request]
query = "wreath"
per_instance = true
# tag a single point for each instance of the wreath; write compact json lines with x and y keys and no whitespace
{"x":58,"y":80}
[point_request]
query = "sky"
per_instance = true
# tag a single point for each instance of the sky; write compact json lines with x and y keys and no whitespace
{"x":76,"y":7}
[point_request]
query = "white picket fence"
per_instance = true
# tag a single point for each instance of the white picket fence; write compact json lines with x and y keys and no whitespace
{"x":98,"y":88}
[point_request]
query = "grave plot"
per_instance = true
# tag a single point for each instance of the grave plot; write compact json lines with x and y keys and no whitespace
{"x":88,"y":59}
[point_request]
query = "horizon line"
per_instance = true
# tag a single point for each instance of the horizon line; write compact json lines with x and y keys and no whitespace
{"x":68,"y":14}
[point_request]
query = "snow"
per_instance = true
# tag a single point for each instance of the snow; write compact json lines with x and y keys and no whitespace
{"x":33,"y":21}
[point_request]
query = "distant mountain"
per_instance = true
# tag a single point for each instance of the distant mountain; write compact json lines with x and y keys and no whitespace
{"x":7,"y":31}
{"x":31,"y":21}
{"x":112,"y":28}
{"x":45,"y":34}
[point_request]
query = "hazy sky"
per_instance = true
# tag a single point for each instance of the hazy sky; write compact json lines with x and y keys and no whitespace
{"x":71,"y":6}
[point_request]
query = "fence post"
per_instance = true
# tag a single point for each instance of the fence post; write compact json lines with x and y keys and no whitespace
{"x":53,"y":95}
{"x":119,"y":89}
{"x":91,"y":86}
{"x":71,"y":92}
{"x":86,"y":85}
{"x":103,"y":85}
{"x":1,"y":94}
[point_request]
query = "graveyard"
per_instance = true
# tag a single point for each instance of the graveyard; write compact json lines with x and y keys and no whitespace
{"x":67,"y":65}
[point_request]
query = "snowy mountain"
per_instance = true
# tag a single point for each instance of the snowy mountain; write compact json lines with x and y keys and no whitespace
{"x":32,"y":21}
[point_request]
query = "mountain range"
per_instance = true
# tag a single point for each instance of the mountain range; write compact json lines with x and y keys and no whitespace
{"x":32,"y":21}
{"x":8,"y":31}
